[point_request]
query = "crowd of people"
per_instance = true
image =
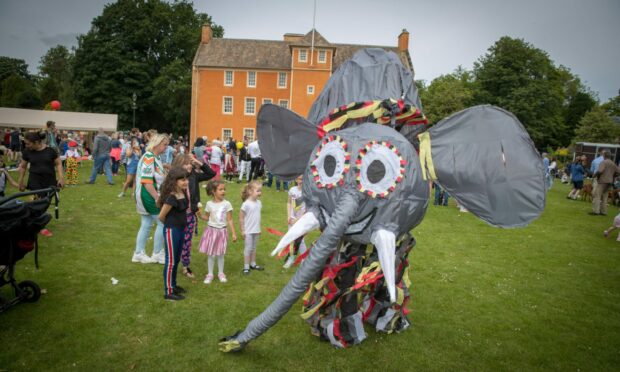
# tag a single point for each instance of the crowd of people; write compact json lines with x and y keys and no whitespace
{"x":165,"y":178}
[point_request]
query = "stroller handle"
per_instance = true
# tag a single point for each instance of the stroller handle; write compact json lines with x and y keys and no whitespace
{"x":49,"y":190}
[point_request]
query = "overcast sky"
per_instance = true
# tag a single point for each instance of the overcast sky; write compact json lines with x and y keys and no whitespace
{"x":581,"y":35}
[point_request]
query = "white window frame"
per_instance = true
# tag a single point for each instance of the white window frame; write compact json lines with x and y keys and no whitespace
{"x":322,"y":52}
{"x":267,"y":99}
{"x":232,"y":78}
{"x":310,"y":89}
{"x":250,"y":138}
{"x":245,"y":106}
{"x":248,"y":79}
{"x":224,"y":136}
{"x":285,"y":80}
{"x":280,"y":101}
{"x":232,"y":105}
{"x":305,"y":54}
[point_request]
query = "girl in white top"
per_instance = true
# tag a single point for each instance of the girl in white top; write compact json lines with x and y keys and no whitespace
{"x":295,"y":208}
{"x":249,"y":222}
{"x":215,"y":237}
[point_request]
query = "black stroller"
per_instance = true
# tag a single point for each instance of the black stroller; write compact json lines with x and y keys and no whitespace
{"x":20,"y":223}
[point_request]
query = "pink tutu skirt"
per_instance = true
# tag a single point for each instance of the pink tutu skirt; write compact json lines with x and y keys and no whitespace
{"x":214,"y":241}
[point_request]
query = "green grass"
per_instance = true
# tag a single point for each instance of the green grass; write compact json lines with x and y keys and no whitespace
{"x":539,"y":298}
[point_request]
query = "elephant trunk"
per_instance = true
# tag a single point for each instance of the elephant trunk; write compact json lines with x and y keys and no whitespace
{"x":347,"y":206}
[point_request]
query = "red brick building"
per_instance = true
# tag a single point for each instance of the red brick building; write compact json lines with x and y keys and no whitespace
{"x":232,"y":78}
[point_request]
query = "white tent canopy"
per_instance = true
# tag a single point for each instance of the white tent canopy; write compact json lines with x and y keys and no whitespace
{"x":65,"y":120}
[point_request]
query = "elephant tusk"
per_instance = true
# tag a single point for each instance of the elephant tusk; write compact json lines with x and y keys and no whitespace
{"x":305,"y":224}
{"x":385,"y":243}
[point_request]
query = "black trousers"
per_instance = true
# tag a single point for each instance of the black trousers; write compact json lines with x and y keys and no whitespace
{"x":254,"y":168}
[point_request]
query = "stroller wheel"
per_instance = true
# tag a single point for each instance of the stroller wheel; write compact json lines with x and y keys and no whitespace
{"x":30,"y":291}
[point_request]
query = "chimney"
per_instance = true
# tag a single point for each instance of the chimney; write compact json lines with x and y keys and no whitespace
{"x":403,"y":41}
{"x":293,"y":37}
{"x":207,"y":34}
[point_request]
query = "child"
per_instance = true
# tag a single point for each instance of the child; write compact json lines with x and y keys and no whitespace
{"x":4,"y":177}
{"x":72,"y":157}
{"x":190,"y":164}
{"x":295,"y":208}
{"x":230,"y":166}
{"x":215,"y":237}
{"x":249,"y":222}
{"x":173,"y":204}
{"x":577,"y":174}
{"x":616,"y":225}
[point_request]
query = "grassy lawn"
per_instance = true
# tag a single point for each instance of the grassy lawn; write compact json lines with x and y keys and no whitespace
{"x":546,"y":297}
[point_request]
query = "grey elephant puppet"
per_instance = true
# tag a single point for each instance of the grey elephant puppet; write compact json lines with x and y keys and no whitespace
{"x":366,"y":188}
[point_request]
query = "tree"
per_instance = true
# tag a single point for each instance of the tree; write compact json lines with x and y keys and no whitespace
{"x":128,"y":50}
{"x":578,"y":100}
{"x":13,"y":66}
{"x":447,"y":94}
{"x":19,"y":92}
{"x":55,"y":68}
{"x":597,"y":126}
{"x":522,"y":79}
{"x":612,"y":107}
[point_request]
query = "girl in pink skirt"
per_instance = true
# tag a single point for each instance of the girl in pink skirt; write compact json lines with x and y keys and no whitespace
{"x":218,"y":213}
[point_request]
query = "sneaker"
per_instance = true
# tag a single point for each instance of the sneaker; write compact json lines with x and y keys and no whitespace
{"x":121,"y":195}
{"x":178,"y":290}
{"x":174,"y":297}
{"x":246,"y":271}
{"x":141,"y":258}
{"x":257,"y":268}
{"x":159,"y":258}
{"x":208,"y":279}
{"x":46,"y":232}
{"x":222,"y":278}
{"x":289,"y":262}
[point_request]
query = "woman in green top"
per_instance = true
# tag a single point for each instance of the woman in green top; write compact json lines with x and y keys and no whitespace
{"x":149,"y":177}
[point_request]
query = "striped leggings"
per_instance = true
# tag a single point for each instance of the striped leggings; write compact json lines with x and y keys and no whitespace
{"x":173,"y":241}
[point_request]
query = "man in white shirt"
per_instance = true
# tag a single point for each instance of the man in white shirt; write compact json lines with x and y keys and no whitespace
{"x":255,"y":159}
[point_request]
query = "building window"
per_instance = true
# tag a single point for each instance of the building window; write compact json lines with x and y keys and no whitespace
{"x":226,"y":134}
{"x":248,"y":133}
{"x":228,"y":78}
{"x":281,"y":79}
{"x":267,"y":100}
{"x":303,"y":55}
{"x":227,"y":105}
{"x":250,"y":105}
{"x":252,"y":79}
{"x":310,"y":89}
{"x":283,"y":103}
{"x":322,"y":56}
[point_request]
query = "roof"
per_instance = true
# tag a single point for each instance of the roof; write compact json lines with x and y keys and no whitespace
{"x":610,"y":145}
{"x":274,"y":54}
{"x":65,"y":120}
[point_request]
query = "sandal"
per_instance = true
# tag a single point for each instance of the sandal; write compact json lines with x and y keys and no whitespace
{"x":188,"y":272}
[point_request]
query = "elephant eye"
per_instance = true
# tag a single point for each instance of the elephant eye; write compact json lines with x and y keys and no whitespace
{"x":332,"y":162}
{"x":379,"y":167}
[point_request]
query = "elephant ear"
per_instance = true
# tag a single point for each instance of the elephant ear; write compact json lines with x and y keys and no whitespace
{"x":485,"y":159}
{"x":286,"y":141}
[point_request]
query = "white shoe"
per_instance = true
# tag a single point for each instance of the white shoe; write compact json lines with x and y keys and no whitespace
{"x":159,"y":258}
{"x":141,"y":258}
{"x":121,"y":195}
{"x":289,"y":262}
{"x":208,"y":279}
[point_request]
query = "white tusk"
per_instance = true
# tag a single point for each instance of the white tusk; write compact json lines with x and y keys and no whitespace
{"x":306,"y":223}
{"x":385,"y":243}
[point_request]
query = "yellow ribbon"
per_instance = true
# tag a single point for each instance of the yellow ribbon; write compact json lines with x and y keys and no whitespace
{"x":426,"y":159}
{"x":230,"y":345}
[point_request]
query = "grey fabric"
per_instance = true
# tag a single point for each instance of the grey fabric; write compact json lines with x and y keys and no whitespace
{"x":467,"y":150}
{"x":309,"y":269}
{"x":371,"y":74}
{"x":285,"y":140}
